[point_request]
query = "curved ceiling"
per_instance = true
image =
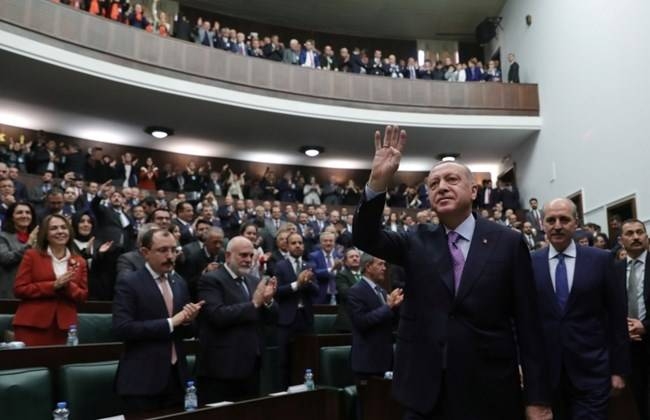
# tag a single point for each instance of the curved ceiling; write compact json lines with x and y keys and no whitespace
{"x":393,"y":19}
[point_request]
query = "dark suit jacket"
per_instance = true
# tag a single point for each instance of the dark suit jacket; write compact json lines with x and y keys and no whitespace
{"x":470,"y":332}
{"x":194,"y":260}
{"x":110,"y":228}
{"x":120,"y":174}
{"x":288,"y":298}
{"x":588,"y":340}
{"x":129,"y":262}
{"x":344,"y":281}
{"x":513,"y":72}
{"x":230,"y":327}
{"x":140,"y":320}
{"x":372,"y":330}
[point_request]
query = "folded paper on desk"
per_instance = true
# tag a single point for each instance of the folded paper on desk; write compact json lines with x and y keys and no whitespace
{"x":219,"y":404}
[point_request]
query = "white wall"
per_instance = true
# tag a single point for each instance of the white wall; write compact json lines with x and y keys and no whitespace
{"x":590,"y":59}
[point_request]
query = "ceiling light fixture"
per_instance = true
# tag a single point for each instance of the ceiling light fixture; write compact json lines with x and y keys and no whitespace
{"x":312,"y":151}
{"x":159,"y":132}
{"x":448,"y":157}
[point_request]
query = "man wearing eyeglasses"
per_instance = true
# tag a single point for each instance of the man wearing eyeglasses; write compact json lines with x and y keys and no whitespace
{"x":152,"y":313}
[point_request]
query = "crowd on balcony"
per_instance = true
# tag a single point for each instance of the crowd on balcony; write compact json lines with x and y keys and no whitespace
{"x":306,"y":54}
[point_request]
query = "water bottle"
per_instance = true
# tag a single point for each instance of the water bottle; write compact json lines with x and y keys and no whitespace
{"x":73,"y":339}
{"x":61,"y":412}
{"x":309,"y":380}
{"x":191,"y":403}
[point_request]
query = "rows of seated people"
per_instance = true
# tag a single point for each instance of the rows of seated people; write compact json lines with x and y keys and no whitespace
{"x":353,"y":60}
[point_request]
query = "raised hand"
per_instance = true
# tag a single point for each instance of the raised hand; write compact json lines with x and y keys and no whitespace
{"x":388,"y":153}
{"x":395,"y":298}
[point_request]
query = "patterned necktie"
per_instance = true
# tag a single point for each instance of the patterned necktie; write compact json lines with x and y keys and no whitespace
{"x":456,"y":256}
{"x":633,"y":289}
{"x":380,"y":294}
{"x":561,"y":282}
{"x":169,"y":303}
{"x":298,"y":266}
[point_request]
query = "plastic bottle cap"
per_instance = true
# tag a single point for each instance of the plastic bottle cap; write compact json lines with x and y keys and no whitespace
{"x":62,"y":404}
{"x":307,"y":370}
{"x":190,"y":383}
{"x":73,"y":326}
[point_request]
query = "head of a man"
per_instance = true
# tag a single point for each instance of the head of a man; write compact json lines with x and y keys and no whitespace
{"x":560,"y":222}
{"x":70,"y":195}
{"x":327,"y":241}
{"x":202,"y":228}
{"x":54,"y":201}
{"x":352,"y":259}
{"x":295,"y":245}
{"x":533,"y":203}
{"x":451,"y":192}
{"x":281,"y":240}
{"x":4,"y":171}
{"x":634,"y":237}
{"x":162,"y":218}
{"x":213,"y":240}
{"x":374,"y":268}
{"x":6,"y":187}
{"x":527,"y":228}
{"x":185,"y":211}
{"x":239,"y":255}
{"x":159,"y":250}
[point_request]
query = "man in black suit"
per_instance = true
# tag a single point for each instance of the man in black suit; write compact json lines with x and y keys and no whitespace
{"x":582,"y":309}
{"x":536,"y":218}
{"x":469,"y":292}
{"x":184,"y":217}
{"x":201,"y":257}
{"x":634,"y":272}
{"x":296,"y":293}
{"x":346,"y":278}
{"x":237,"y":305}
{"x":152,"y":313}
{"x":513,"y":71}
{"x":487,"y":196}
{"x":21,"y":189}
{"x":372,"y":312}
{"x":112,"y":221}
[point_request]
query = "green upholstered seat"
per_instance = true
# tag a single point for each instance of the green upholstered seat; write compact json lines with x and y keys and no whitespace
{"x":95,"y":328}
{"x":335,"y":371}
{"x":88,"y":389}
{"x":324,"y":323}
{"x":25,"y":394}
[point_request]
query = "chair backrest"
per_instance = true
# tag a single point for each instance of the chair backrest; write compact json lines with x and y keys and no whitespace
{"x":95,"y":328}
{"x":26,"y":394}
{"x":324,"y":323}
{"x":88,"y":389}
{"x":335,"y":367}
{"x":269,"y":373}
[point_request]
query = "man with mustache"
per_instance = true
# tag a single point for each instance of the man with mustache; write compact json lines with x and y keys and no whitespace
{"x":237,"y":305}
{"x":633,"y":272}
{"x":469,"y":292}
{"x":152,"y":313}
{"x":582,"y":306}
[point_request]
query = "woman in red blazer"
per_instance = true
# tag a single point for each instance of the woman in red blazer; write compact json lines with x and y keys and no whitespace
{"x":51,"y":280}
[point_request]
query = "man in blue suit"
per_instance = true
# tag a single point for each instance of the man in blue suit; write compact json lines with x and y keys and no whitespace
{"x":469,"y":315}
{"x":152,"y":313}
{"x":309,"y":57}
{"x":326,"y":262}
{"x":296,"y":292}
{"x":372,"y":312}
{"x":583,"y":311}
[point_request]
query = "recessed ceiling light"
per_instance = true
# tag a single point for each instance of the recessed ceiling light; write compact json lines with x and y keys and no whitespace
{"x":448,"y":157}
{"x":312,"y":151}
{"x":159,"y":132}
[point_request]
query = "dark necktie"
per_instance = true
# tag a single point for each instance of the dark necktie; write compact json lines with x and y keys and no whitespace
{"x":240,"y":281}
{"x":380,"y":294}
{"x":561,"y":282}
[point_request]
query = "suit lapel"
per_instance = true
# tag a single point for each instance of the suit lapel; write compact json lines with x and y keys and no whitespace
{"x":154,"y":291}
{"x":373,"y":299}
{"x":442,"y":258}
{"x":479,"y":251}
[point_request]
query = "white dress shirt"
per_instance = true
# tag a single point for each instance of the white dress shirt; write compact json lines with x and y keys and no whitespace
{"x":160,"y":285}
{"x":569,"y":262}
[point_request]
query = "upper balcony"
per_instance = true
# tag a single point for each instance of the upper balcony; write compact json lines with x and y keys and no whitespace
{"x":118,"y":43}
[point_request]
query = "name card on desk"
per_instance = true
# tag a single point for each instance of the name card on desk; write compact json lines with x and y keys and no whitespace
{"x":297,"y":388}
{"x":120,"y":417}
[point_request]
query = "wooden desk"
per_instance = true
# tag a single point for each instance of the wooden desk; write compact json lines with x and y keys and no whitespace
{"x":55,"y":356}
{"x":305,"y":353}
{"x":321,"y":404}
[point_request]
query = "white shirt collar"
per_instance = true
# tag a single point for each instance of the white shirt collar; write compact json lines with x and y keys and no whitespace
{"x":155,"y":275}
{"x":640,"y":258}
{"x":570,"y":251}
{"x":232,"y":273}
{"x":465,"y":229}
{"x":66,"y":256}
